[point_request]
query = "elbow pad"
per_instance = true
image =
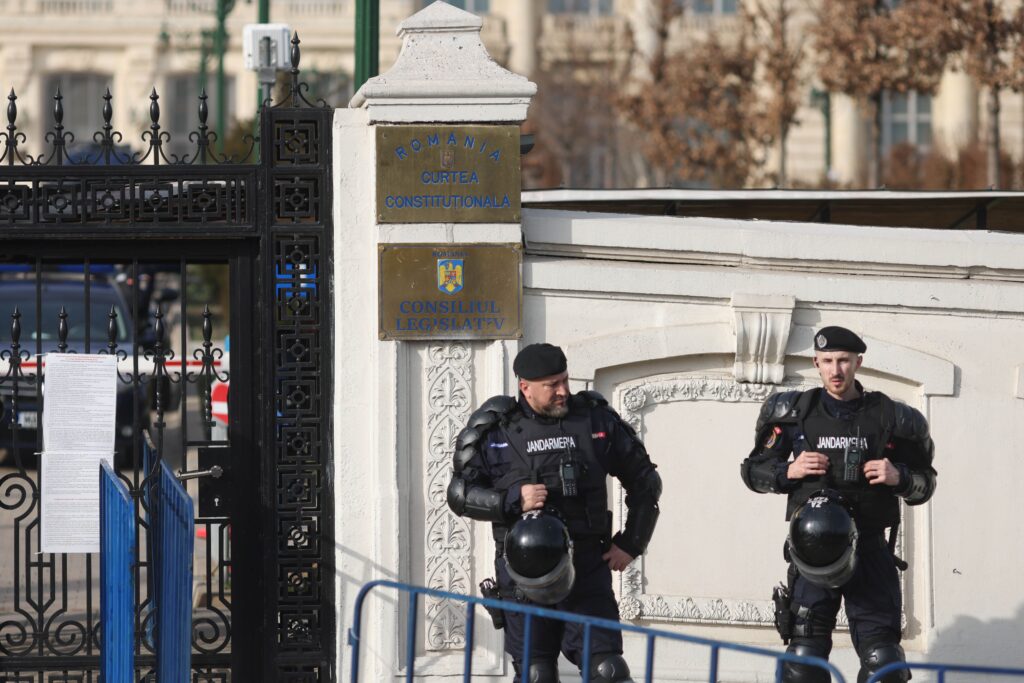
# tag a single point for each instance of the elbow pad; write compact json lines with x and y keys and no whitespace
{"x":640,"y":523}
{"x":475,"y":502}
{"x":918,"y":488}
{"x":759,"y":474}
{"x":642,"y":516}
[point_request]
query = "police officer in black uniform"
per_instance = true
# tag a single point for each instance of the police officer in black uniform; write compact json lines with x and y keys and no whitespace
{"x":873,"y":451}
{"x":553,"y":450}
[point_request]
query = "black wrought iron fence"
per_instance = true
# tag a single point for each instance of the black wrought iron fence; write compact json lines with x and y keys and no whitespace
{"x":103,"y":247}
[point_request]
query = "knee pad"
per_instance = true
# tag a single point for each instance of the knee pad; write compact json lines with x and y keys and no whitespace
{"x":607,"y":667}
{"x":793,"y":672}
{"x":876,"y":656}
{"x":541,"y":671}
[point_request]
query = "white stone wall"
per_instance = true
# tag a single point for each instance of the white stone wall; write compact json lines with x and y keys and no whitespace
{"x":647,"y":310}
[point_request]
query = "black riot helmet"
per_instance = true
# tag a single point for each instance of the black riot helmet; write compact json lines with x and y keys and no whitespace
{"x":538,"y":554}
{"x":823,"y":540}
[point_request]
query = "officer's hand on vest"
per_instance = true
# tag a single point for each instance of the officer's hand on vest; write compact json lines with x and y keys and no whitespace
{"x":533,"y":496}
{"x":617,"y":558}
{"x":881,"y":472}
{"x":808,"y":464}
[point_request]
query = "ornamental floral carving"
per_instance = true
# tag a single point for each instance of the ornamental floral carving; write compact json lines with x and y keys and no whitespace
{"x":448,"y":540}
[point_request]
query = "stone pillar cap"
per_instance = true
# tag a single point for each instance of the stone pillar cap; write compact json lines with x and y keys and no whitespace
{"x":444,"y":73}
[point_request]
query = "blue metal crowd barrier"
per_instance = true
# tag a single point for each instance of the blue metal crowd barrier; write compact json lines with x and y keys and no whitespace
{"x":117,"y":579}
{"x":942,"y":669}
{"x":174,"y":537}
{"x":715,"y":647}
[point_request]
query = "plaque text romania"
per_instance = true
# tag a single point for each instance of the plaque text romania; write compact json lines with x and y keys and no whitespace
{"x":450,"y":291}
{"x":448,"y":174}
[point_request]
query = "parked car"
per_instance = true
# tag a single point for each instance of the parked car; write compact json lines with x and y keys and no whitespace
{"x":56,"y":290}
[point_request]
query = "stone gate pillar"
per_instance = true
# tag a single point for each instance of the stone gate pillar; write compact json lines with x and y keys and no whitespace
{"x":428,"y":294}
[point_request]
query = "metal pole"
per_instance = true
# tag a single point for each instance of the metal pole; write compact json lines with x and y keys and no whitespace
{"x":367,"y":40}
{"x":204,"y":60}
{"x":262,"y":18}
{"x":220,"y":46}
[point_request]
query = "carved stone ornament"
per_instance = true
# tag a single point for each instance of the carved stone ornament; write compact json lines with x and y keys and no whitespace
{"x":761,"y":325}
{"x":448,"y":542}
{"x":634,"y":603}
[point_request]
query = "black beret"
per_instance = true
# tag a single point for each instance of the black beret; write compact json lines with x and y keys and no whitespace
{"x":539,"y":360}
{"x":834,"y":338}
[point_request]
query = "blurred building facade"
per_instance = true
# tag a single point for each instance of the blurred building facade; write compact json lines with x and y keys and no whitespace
{"x":132,"y":46}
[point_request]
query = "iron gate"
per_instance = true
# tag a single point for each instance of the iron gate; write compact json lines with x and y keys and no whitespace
{"x":198,"y":272}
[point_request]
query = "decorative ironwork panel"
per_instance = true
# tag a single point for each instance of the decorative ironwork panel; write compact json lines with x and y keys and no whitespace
{"x":297,"y":141}
{"x":298,"y":206}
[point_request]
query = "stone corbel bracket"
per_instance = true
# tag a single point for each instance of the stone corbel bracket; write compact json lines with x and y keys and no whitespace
{"x":761,"y":324}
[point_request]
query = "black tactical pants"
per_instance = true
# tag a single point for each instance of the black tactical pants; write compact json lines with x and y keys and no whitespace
{"x":591,"y":595}
{"x":872,"y":596}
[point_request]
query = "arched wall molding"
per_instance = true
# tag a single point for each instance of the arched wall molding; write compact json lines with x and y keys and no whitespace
{"x":633,"y":399}
{"x":935,"y":376}
{"x":587,"y":356}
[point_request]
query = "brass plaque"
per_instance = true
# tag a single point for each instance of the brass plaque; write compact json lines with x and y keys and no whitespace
{"x":448,"y":174}
{"x":450,"y":291}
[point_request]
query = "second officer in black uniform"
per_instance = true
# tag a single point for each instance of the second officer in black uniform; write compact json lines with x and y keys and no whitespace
{"x":873,"y":452}
{"x":552,"y":450}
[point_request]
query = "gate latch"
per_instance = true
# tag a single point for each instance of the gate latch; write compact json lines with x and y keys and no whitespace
{"x":214,"y":480}
{"x":216,"y":472}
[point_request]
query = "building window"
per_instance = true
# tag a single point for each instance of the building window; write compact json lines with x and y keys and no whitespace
{"x":83,"y":102}
{"x":180,"y":104}
{"x":906,"y":119}
{"x":594,"y":8}
{"x":476,"y":6}
{"x":712,"y":7}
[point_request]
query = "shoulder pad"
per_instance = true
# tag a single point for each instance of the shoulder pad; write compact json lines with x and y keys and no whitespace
{"x":777,"y":408}
{"x":491,"y":412}
{"x":909,"y":423}
{"x":500,"y":404}
{"x":469,"y":436}
{"x":593,"y":398}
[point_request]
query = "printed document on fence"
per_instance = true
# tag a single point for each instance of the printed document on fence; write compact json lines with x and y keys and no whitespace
{"x":79,"y":402}
{"x":79,"y":406}
{"x":70,"y":489}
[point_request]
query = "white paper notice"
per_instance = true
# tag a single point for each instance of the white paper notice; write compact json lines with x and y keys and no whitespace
{"x":79,"y":407}
{"x":70,"y":489}
{"x":79,"y":403}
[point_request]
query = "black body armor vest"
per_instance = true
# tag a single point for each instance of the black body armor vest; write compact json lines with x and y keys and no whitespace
{"x":849,"y":442}
{"x":539,"y":453}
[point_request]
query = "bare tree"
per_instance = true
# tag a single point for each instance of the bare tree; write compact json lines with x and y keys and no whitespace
{"x":867,"y":47}
{"x":986,"y":36}
{"x":696,"y":109}
{"x":780,"y":56}
{"x":646,"y":100}
{"x":573,"y":116}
